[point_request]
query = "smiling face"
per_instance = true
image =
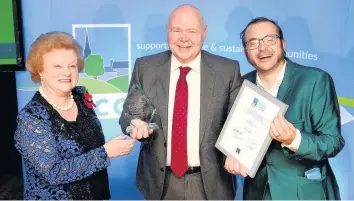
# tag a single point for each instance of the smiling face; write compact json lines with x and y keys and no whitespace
{"x":186,"y":33}
{"x":60,"y":71}
{"x":265,"y":57}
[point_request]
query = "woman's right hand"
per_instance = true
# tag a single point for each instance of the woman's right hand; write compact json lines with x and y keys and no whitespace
{"x":118,"y":146}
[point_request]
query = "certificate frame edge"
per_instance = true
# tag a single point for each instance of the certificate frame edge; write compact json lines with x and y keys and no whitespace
{"x":282,"y":110}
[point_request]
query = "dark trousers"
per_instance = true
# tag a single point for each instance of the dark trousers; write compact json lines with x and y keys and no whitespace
{"x":188,"y":187}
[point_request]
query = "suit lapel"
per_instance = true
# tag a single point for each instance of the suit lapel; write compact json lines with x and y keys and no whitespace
{"x":287,"y":82}
{"x":253,"y":77}
{"x":163,"y":83}
{"x":207,"y":83}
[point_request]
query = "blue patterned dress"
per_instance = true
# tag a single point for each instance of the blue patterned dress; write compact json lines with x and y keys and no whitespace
{"x":62,"y":160}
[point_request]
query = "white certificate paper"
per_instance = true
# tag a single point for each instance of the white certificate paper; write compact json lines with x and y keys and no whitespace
{"x":245,"y":134}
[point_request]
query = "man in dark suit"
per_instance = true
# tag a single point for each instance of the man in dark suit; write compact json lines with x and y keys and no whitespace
{"x":296,"y":164}
{"x":193,"y":91}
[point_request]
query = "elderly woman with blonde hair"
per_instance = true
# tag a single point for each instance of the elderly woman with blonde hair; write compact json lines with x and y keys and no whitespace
{"x":58,"y":135}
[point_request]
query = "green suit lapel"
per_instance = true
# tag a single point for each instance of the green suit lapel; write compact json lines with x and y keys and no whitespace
{"x":287,"y":82}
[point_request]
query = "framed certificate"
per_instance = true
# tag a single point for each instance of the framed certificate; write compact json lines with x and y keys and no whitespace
{"x":245,"y":134}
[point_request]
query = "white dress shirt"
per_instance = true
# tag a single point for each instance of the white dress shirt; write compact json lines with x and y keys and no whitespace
{"x":193,"y":80}
{"x":274,"y":92}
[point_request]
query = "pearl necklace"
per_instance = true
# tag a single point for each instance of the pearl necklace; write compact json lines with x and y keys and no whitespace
{"x":63,"y":108}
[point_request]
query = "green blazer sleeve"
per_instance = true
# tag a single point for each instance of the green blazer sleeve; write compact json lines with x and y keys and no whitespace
{"x":325,"y":141}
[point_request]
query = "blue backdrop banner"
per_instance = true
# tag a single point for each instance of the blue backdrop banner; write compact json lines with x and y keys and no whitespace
{"x":318,"y":33}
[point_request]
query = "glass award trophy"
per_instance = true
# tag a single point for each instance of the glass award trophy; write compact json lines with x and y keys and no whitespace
{"x":139,"y":106}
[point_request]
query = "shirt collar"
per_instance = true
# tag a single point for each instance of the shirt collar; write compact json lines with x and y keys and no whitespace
{"x":279,"y":79}
{"x":194,"y":65}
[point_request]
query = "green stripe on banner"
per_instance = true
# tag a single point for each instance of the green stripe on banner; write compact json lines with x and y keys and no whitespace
{"x":8,"y":61}
{"x":346,"y":101}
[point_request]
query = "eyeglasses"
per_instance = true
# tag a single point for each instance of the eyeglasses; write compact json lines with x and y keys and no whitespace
{"x":270,"y":39}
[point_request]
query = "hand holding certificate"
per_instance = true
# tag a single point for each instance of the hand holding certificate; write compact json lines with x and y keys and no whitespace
{"x":245,"y":134}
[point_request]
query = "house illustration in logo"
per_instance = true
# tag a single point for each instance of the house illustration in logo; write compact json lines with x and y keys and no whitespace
{"x":106,"y":53}
{"x":117,"y":66}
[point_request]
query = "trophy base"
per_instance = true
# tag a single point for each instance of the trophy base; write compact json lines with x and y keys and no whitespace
{"x":152,"y":126}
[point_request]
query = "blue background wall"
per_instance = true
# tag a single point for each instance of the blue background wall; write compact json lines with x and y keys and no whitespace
{"x":318,"y":33}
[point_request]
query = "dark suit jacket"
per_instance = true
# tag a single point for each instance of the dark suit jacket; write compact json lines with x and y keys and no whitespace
{"x":220,"y":83}
{"x":314,"y":111}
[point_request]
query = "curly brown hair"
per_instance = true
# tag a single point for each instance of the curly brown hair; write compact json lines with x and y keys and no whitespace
{"x":46,"y":43}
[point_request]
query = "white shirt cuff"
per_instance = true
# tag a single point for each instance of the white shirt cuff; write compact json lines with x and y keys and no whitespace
{"x":294,"y":146}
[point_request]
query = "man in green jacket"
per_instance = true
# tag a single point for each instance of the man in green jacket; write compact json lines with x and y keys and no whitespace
{"x":296,"y":164}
